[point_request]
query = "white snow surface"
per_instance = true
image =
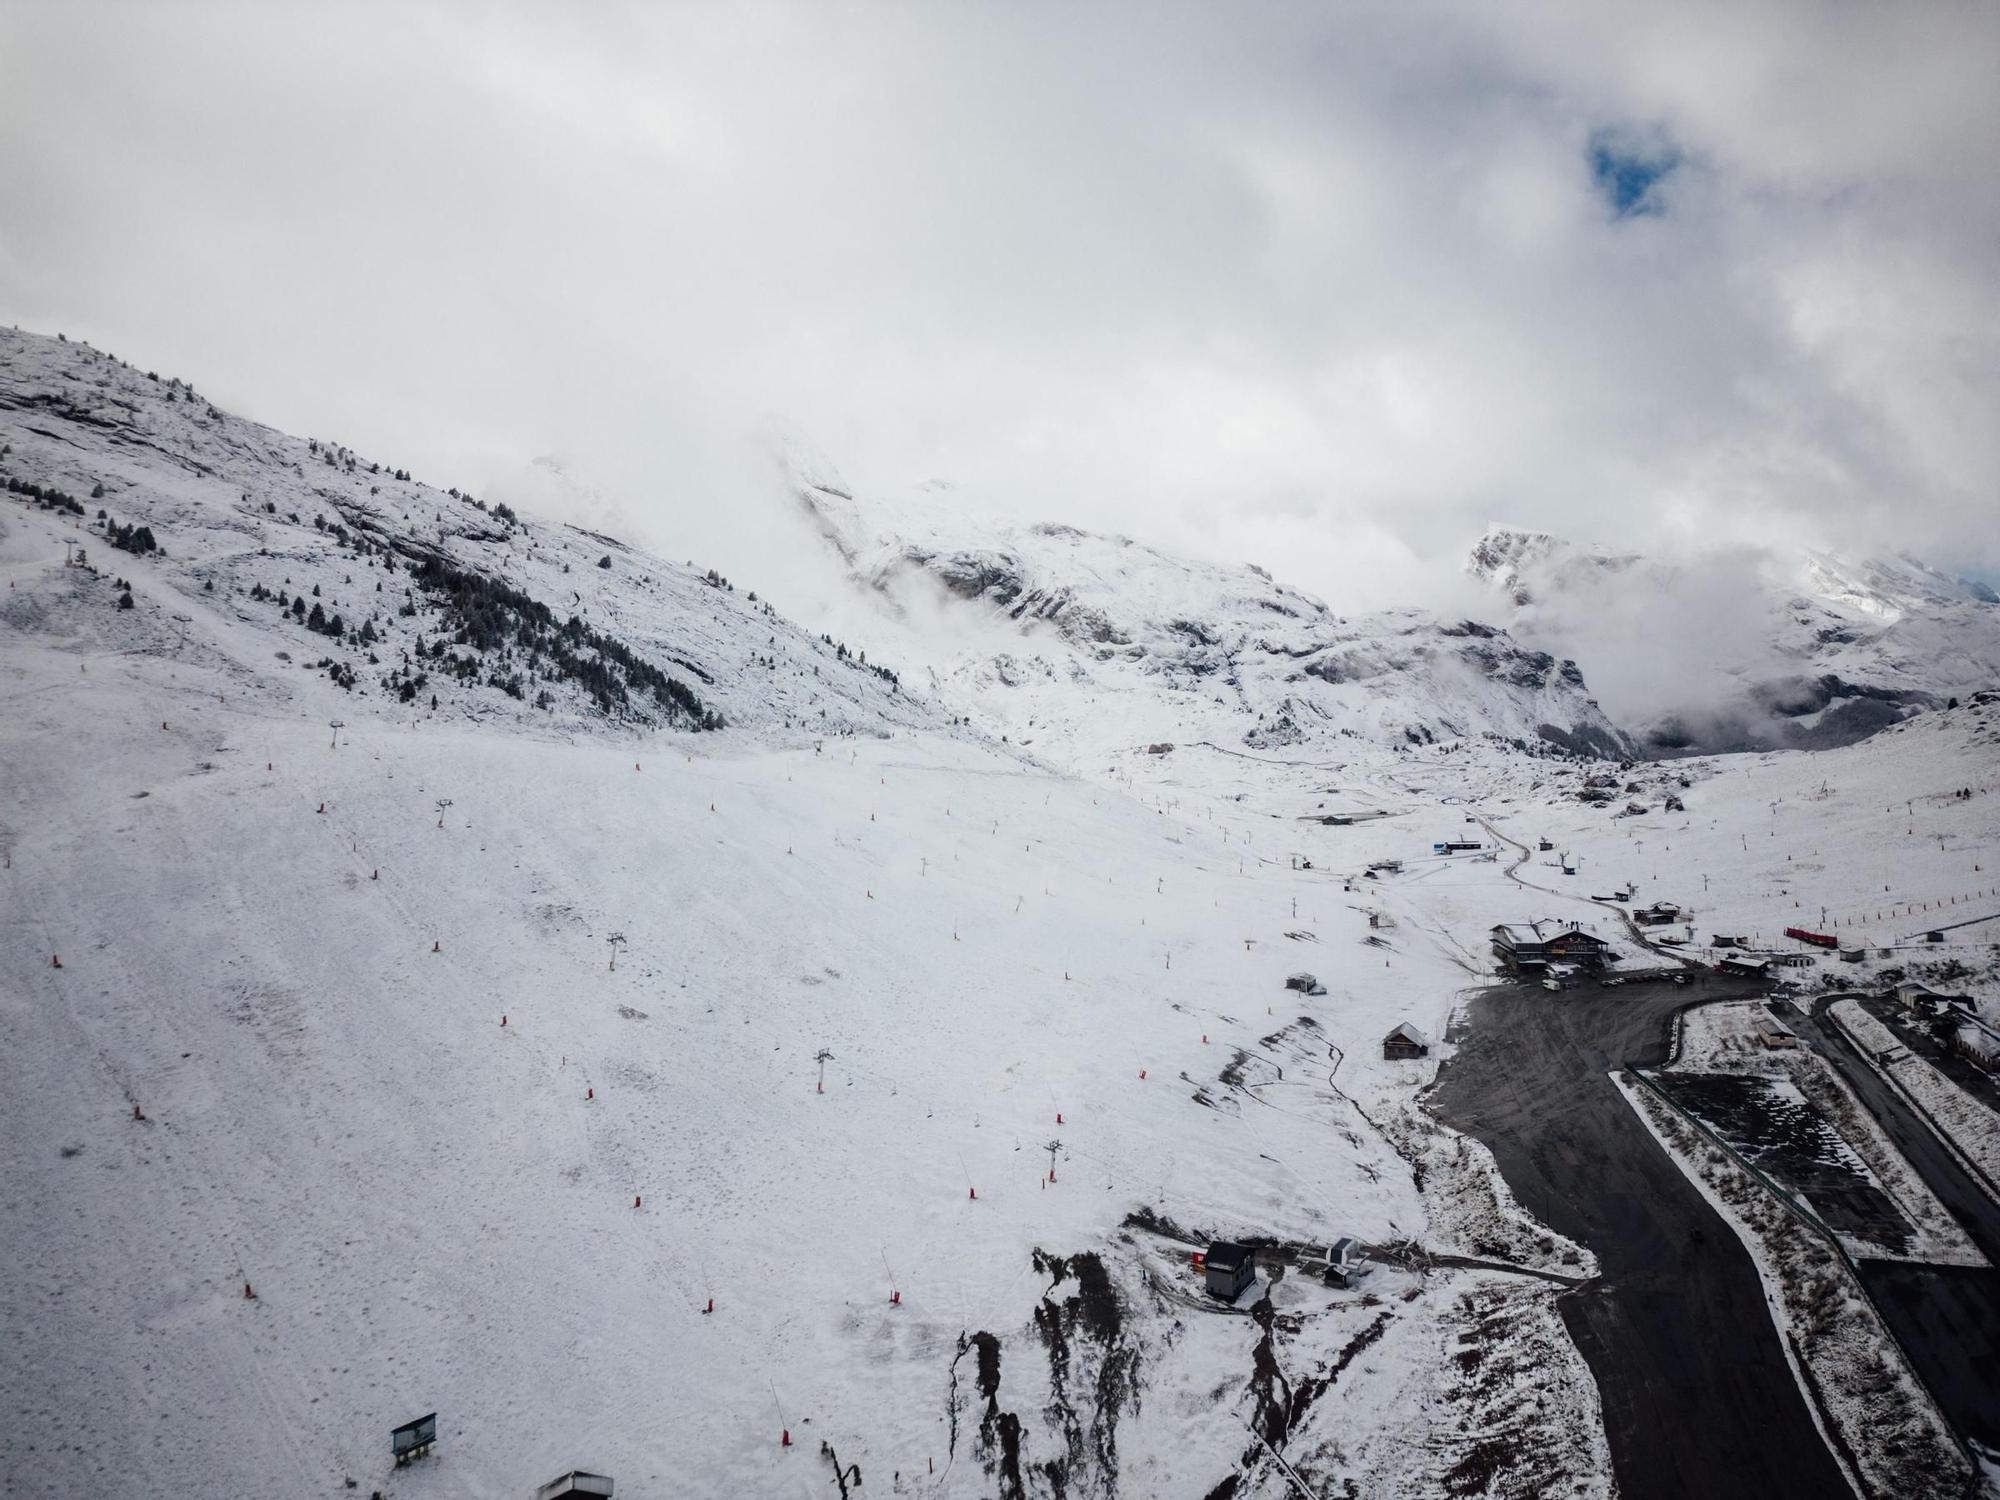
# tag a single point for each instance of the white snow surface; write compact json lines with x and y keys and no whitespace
{"x":273,"y":1053}
{"x":437,"y":1211}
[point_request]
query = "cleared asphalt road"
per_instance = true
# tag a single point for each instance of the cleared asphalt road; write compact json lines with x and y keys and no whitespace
{"x":1946,"y":1318}
{"x":1698,"y":1398}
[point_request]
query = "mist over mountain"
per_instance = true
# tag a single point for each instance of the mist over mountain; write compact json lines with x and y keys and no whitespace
{"x":1623,"y":650}
{"x":1748,"y":648}
{"x":1066,"y":638}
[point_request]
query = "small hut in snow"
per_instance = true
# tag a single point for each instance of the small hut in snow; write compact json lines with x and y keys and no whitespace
{"x":1405,"y":1042}
{"x":1776,"y":1034}
{"x":576,"y":1483}
{"x":413,"y":1439}
{"x":1978,"y":1043}
{"x":1345,"y":1263}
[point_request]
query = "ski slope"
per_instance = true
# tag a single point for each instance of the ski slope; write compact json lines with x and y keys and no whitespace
{"x":294,"y":905}
{"x":436,"y":1211}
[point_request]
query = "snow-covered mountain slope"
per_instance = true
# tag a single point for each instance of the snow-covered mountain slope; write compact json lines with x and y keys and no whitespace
{"x":1806,"y":650}
{"x":336,"y":1020}
{"x":400,"y":592}
{"x":1084,"y":645}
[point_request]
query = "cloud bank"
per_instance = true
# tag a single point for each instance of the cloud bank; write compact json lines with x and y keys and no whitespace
{"x":1319,"y":287}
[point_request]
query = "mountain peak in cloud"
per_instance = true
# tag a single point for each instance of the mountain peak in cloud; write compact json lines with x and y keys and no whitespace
{"x":1745,"y":648}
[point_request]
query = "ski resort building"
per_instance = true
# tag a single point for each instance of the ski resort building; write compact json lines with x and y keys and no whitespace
{"x":1230,"y":1269}
{"x":1977,"y":1043}
{"x":1915,"y":994}
{"x":1524,"y":946}
{"x":1405,"y":1042}
{"x":1743,"y":966}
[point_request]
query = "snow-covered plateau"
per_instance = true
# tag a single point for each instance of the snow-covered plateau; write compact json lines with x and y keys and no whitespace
{"x":456,"y":963}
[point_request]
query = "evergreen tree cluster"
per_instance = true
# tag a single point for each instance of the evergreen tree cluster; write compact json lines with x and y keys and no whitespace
{"x":49,"y":497}
{"x":317,"y":619}
{"x":860,"y":659}
{"x":137,"y":540}
{"x":335,"y":456}
{"x":491,"y":617}
{"x":339,"y":671}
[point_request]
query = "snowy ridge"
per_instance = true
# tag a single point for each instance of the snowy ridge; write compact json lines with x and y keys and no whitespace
{"x":1085,"y":645}
{"x":502,"y":617}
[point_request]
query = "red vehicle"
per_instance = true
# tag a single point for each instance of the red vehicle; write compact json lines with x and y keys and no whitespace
{"x":1817,"y":939}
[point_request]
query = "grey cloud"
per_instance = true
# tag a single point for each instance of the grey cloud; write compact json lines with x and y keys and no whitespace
{"x":1322,"y":287}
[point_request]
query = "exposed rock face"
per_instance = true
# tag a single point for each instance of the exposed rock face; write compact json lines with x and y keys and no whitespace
{"x":1104,"y":643}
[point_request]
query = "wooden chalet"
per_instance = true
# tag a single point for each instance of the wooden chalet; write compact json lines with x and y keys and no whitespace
{"x":1405,"y":1042}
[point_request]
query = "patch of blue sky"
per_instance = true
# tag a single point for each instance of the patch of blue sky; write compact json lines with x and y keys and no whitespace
{"x":1627,"y":168}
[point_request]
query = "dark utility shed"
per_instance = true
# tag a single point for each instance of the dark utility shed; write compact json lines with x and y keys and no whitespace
{"x":413,"y":1439}
{"x":1231,"y":1269}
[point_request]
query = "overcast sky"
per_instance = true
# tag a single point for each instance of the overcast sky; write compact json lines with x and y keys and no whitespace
{"x":1326,"y":287}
